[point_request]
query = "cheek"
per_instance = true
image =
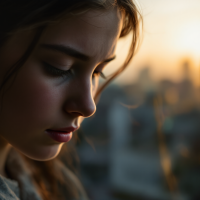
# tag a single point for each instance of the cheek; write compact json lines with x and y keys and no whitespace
{"x":37,"y":100}
{"x":31,"y":100}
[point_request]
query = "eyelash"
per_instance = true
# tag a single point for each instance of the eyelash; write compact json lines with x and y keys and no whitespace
{"x":54,"y":71}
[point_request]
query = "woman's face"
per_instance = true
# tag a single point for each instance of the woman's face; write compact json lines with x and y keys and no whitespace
{"x":56,"y":85}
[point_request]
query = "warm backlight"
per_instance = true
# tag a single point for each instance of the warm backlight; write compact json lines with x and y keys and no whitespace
{"x":188,"y":38}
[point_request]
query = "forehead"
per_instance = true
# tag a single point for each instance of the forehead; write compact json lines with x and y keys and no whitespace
{"x":94,"y":32}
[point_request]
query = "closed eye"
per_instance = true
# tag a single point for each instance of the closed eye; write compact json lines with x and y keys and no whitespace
{"x":101,"y":74}
{"x":54,"y":71}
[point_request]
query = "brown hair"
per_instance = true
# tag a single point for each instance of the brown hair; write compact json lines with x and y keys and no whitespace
{"x":37,"y":14}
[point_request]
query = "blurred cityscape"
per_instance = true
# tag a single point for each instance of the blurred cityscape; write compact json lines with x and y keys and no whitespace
{"x":143,"y":143}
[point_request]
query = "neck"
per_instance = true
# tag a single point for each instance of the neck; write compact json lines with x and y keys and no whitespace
{"x":4,"y":149}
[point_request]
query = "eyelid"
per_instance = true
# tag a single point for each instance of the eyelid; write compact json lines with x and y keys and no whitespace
{"x":101,"y":67}
{"x":52,"y":70}
{"x":52,"y":65}
{"x":100,"y":73}
{"x":109,"y":60}
{"x":61,"y":72}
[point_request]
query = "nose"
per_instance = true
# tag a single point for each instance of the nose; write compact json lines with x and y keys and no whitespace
{"x":80,"y":101}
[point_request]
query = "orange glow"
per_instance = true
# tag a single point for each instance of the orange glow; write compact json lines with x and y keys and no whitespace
{"x":188,"y":38}
{"x":171,"y":33}
{"x":171,"y":96}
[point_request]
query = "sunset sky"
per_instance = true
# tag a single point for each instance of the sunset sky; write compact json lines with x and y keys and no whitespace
{"x":171,"y":34}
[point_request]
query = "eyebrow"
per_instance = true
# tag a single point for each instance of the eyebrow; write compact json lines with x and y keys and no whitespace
{"x":71,"y":52}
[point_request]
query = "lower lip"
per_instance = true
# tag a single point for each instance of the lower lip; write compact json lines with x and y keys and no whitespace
{"x":59,"y":136}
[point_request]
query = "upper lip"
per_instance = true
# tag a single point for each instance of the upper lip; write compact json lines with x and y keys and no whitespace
{"x":67,"y":129}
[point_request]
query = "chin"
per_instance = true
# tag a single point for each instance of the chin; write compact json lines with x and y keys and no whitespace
{"x":42,"y":153}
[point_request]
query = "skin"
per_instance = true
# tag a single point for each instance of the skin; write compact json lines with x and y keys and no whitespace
{"x":38,"y":101}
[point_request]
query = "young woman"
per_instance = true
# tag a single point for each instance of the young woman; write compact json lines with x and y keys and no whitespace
{"x":52,"y":53}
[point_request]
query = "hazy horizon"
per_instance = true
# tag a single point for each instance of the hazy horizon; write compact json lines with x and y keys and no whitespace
{"x":170,"y":36}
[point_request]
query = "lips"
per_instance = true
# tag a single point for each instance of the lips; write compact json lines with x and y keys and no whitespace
{"x":62,"y":134}
{"x":64,"y":130}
